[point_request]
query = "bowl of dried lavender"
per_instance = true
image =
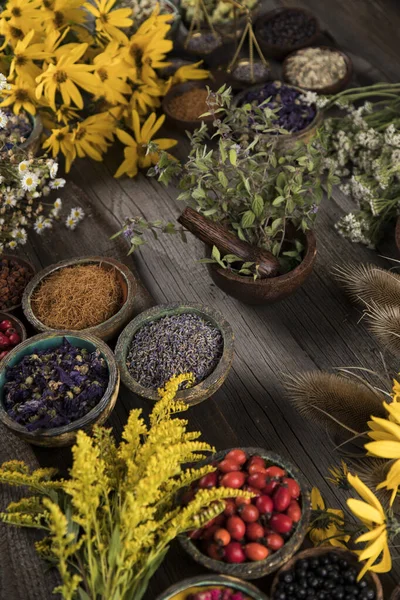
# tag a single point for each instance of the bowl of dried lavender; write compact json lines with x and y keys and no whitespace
{"x":171,"y":339}
{"x":54,"y":384}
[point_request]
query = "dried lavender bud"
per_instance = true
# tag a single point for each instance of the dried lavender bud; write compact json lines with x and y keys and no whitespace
{"x":315,"y":68}
{"x":288,"y":27}
{"x":293,"y":115}
{"x":242,"y":72}
{"x":173,"y":345}
{"x":203,"y":43}
{"x":54,"y":387}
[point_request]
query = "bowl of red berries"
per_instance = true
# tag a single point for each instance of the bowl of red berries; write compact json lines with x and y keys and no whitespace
{"x":12,"y":333}
{"x":252,"y":537}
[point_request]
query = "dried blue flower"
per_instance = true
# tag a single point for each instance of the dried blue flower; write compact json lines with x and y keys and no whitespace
{"x":54,"y":387}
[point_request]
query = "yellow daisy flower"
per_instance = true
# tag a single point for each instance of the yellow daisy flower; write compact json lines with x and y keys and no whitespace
{"x":11,"y":33}
{"x":23,"y":14}
{"x":189,"y":72}
{"x":24,"y":54}
{"x":60,"y":14}
{"x":109,"y":22}
{"x":145,"y":97}
{"x":370,"y":512}
{"x":135,"y":151}
{"x":21,"y":96}
{"x":326,"y":531}
{"x":60,"y":140}
{"x":65,"y":76}
{"x":111,"y":72}
{"x":339,"y":476}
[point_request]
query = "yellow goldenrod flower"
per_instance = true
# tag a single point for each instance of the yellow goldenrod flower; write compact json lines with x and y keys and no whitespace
{"x":327,"y":530}
{"x":386,"y":444}
{"x":111,"y":72}
{"x":191,"y":71}
{"x":21,"y":96}
{"x":24,"y":54}
{"x":370,"y":512}
{"x":109,"y":22}
{"x":65,"y":76}
{"x":60,"y":140}
{"x":135,"y":151}
{"x":90,"y":136}
{"x":339,"y":476}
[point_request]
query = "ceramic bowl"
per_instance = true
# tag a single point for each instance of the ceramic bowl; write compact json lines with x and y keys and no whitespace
{"x":288,"y":140}
{"x":106,"y":330}
{"x":25,"y":264}
{"x":255,"y":570}
{"x":179,"y":590}
{"x":179,"y":90}
{"x":372,"y":578}
{"x":279,"y":52}
{"x":32,"y":144}
{"x":202,"y":390}
{"x":266,"y":290}
{"x":16,"y":323}
{"x":328,"y":89}
{"x":65,"y":435}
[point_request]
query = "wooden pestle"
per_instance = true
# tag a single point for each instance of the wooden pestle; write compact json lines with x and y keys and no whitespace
{"x":213,"y":234}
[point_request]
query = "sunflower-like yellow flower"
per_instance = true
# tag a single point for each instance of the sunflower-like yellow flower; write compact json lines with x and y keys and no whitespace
{"x":11,"y":33}
{"x":111,"y":72}
{"x":65,"y":76}
{"x":135,"y":151}
{"x":109,"y":22}
{"x":339,"y":476}
{"x":21,"y":96}
{"x":60,"y":14}
{"x":24,"y":14}
{"x":386,"y":444}
{"x":60,"y":140}
{"x":24,"y":54}
{"x":91,"y":136}
{"x":327,"y":530}
{"x":370,"y":512}
{"x":189,"y":72}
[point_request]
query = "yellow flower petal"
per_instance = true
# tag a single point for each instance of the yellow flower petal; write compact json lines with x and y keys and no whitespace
{"x":364,"y":511}
{"x":371,"y":535}
{"x":317,"y":501}
{"x":375,"y":547}
{"x":364,"y":492}
{"x":384,"y":448}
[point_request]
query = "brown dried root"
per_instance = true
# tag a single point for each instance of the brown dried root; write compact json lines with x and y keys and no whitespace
{"x":77,"y":297}
{"x":334,"y":402}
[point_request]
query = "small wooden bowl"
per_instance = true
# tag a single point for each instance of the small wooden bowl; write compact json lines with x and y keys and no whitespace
{"x":17,"y":324}
{"x":106,"y":330}
{"x":179,"y":90}
{"x":279,"y":52}
{"x":29,"y":266}
{"x":65,"y":435}
{"x":193,"y":584}
{"x":268,"y":290}
{"x":321,"y":550}
{"x":202,"y":390}
{"x":203,"y":53}
{"x":255,"y":570}
{"x":334,"y":88}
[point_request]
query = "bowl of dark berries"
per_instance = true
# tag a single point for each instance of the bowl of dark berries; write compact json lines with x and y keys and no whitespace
{"x":212,"y":587}
{"x":252,"y":537}
{"x":284,"y":30}
{"x":172,"y":339}
{"x":54,"y":384}
{"x":325,"y":573}
{"x":12,"y":333}
{"x":15,"y":274}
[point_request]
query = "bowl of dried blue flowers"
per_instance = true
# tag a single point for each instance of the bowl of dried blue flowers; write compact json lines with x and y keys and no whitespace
{"x":172,"y":339}
{"x":54,"y":384}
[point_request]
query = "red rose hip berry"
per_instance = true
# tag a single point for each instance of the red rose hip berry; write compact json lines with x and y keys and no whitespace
{"x":265,"y":505}
{"x":281,"y":523}
{"x":294,"y":511}
{"x":237,"y":456}
{"x":249,"y":513}
{"x":255,"y":551}
{"x":234,"y":479}
{"x":234,"y":553}
{"x":209,"y":481}
{"x":282,"y":499}
{"x":292,"y":486}
{"x":236,"y":527}
{"x":254,"y":532}
{"x":274,"y":541}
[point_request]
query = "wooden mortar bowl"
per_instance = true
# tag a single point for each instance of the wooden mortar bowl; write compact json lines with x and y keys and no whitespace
{"x":266,"y":290}
{"x":255,"y":570}
{"x":65,"y":435}
{"x":328,"y":89}
{"x":315,"y":552}
{"x":202,"y":390}
{"x":178,"y":90}
{"x":109,"y":328}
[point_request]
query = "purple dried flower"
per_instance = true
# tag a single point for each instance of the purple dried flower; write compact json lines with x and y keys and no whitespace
{"x":54,"y":387}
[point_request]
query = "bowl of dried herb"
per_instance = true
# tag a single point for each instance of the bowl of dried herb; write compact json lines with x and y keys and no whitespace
{"x":172,"y":339}
{"x":54,"y":384}
{"x":92,"y":294}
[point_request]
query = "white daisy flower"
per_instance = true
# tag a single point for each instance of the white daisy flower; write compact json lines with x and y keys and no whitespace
{"x":19,"y":235}
{"x":53,"y":170}
{"x":1,"y":178}
{"x":12,"y":244}
{"x":23,"y":220}
{"x":46,"y":190}
{"x":29,"y":181}
{"x":58,"y":203}
{"x":77,"y":213}
{"x":23,"y":166}
{"x":39,"y":225}
{"x":71,"y":222}
{"x":57,"y":183}
{"x":3,"y":83}
{"x":10,"y":200}
{"x":54,"y":212}
{"x":3,"y":119}
{"x":48,"y":223}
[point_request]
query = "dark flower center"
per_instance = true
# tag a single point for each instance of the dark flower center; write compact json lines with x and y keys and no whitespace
{"x":81,"y":133}
{"x":16,"y":33}
{"x":16,"y":11}
{"x":137,"y":54}
{"x":58,"y":18}
{"x":102,"y":73}
{"x":60,"y":76}
{"x":21,"y":95}
{"x":20,"y":60}
{"x":104,"y":17}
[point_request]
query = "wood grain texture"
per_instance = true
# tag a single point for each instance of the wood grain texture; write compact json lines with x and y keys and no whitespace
{"x":316,"y":328}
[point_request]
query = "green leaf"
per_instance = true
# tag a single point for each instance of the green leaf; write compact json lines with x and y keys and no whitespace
{"x":278,"y":200}
{"x":215,"y":254}
{"x":223,"y":179}
{"x":247,"y":265}
{"x":291,"y":253}
{"x":222,"y":150}
{"x":257,"y":205}
{"x":281,"y":181}
{"x":231,"y":258}
{"x":276,"y":223}
{"x":233,"y":157}
{"x":240,"y":234}
{"x":210,"y":211}
{"x":245,"y":271}
{"x":247,"y":185}
{"x":248,"y":219}
{"x":198,"y":193}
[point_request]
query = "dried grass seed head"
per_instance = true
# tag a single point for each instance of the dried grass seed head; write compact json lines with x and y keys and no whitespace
{"x":370,"y":284}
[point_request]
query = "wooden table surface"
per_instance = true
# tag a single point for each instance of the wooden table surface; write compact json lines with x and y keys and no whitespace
{"x":317,"y":328}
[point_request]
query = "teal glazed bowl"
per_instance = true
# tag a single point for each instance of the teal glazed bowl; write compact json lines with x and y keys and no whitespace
{"x":177,"y":591}
{"x":257,"y":569}
{"x":65,"y":435}
{"x":202,"y":390}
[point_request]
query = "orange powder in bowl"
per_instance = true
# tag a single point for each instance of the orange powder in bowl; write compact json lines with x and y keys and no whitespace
{"x":189,"y":105}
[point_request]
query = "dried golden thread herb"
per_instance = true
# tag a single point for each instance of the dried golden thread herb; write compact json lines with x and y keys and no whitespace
{"x":77,"y":297}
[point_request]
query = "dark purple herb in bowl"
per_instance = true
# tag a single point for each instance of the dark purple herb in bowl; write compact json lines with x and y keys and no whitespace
{"x":289,"y":27}
{"x":293,"y":114}
{"x":181,"y":343}
{"x":203,"y":42}
{"x":54,"y":387}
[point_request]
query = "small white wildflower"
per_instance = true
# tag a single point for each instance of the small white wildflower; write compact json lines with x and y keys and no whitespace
{"x":39,"y":225}
{"x":1,"y":179}
{"x":19,"y":235}
{"x":9,"y":199}
{"x":3,"y":119}
{"x":46,"y":190}
{"x":54,"y":212}
{"x":23,"y":220}
{"x":12,"y":244}
{"x":53,"y":170}
{"x":57,"y":203}
{"x":77,"y":213}
{"x":321,"y":101}
{"x":29,"y":181}
{"x":4,"y":85}
{"x":57,"y":183}
{"x":309,"y":98}
{"x":23,"y":166}
{"x":71,"y":223}
{"x":1,"y":248}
